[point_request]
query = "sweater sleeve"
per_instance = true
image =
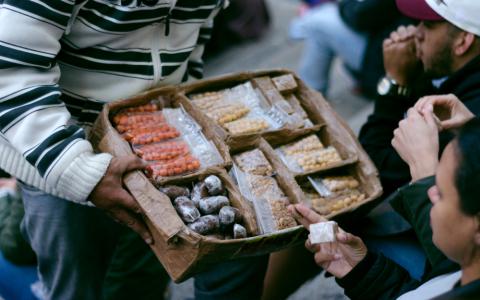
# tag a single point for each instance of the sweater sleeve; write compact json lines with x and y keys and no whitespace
{"x":376,"y":136}
{"x":33,"y":119}
{"x":195,"y":62}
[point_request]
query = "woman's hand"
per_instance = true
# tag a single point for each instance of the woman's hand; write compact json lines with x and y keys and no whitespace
{"x":451,"y":112}
{"x":337,"y":258}
{"x":416,"y":141}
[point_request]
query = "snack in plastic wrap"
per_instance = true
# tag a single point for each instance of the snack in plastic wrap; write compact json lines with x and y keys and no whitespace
{"x":199,"y":192}
{"x":205,"y":224}
{"x":254,"y":162}
{"x":239,"y":232}
{"x":214,"y":185}
{"x":317,"y":159}
{"x":264,"y":187}
{"x":207,"y":100}
{"x":333,"y":193}
{"x":282,"y":216}
{"x":246,"y":126}
{"x":162,"y":151}
{"x":305,"y":145}
{"x":337,"y":183}
{"x":138,"y":118}
{"x":174,"y":191}
{"x":229,"y":215}
{"x":285,"y":83}
{"x":323,"y":232}
{"x":213,"y":204}
{"x":227,"y":112}
{"x":177,"y":166}
{"x":186,"y":209}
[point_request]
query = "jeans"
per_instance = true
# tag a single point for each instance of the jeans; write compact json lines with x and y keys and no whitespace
{"x":83,"y":254}
{"x":326,"y":36}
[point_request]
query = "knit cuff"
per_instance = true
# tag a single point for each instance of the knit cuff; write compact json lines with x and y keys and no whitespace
{"x":82,"y":175}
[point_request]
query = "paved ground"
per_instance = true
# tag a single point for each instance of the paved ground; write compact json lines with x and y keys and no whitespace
{"x":275,"y":50}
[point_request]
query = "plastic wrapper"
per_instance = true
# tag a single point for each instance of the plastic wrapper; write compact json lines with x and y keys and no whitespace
{"x":229,"y":215}
{"x":285,"y":83}
{"x":254,"y":162}
{"x":205,"y":224}
{"x":214,"y":185}
{"x":207,"y":100}
{"x":323,"y":232}
{"x":247,"y":126}
{"x":200,"y":147}
{"x":162,"y":151}
{"x":177,"y":166}
{"x":125,"y":122}
{"x":199,"y":192}
{"x":264,"y":186}
{"x":186,"y":209}
{"x":273,"y":215}
{"x":213,"y":204}
{"x":227,"y":112}
{"x":239,"y":232}
{"x":174,"y":191}
{"x":333,"y":193}
{"x":307,"y":155}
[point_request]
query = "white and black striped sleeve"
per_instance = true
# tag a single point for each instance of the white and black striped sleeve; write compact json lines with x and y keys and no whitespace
{"x":32,"y":118}
{"x":195,"y":62}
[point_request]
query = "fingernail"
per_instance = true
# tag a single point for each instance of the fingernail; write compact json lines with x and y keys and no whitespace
{"x":337,"y":256}
{"x":149,"y":241}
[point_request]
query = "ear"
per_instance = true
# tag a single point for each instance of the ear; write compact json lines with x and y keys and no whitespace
{"x":477,"y":232}
{"x":463,"y":43}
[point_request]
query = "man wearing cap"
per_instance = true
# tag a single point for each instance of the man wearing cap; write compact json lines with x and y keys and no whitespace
{"x":439,"y":56}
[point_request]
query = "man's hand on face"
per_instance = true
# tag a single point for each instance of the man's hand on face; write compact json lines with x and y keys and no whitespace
{"x":399,"y":56}
{"x":111,"y":196}
{"x":416,"y":141}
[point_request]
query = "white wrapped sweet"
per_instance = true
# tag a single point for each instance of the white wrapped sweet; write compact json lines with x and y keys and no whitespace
{"x":323,"y":232}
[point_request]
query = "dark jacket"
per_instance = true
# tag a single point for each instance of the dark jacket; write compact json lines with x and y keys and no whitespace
{"x":376,"y":135}
{"x":377,"y":277}
{"x":377,"y":18}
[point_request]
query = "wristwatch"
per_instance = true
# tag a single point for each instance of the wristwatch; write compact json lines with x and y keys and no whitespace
{"x":389,"y":87}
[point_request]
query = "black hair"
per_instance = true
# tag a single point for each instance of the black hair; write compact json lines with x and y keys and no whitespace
{"x":467,"y":177}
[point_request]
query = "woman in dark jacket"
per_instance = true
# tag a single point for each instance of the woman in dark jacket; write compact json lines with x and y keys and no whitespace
{"x":448,"y":226}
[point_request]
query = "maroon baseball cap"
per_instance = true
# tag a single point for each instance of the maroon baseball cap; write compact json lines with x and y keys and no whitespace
{"x":418,"y":9}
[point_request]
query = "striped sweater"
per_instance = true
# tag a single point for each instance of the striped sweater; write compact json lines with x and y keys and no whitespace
{"x":61,"y":60}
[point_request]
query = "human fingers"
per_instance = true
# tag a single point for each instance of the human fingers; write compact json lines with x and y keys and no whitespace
{"x":130,"y":163}
{"x":311,"y":247}
{"x":324,"y":258}
{"x":126,"y":200}
{"x":346,"y":238}
{"x":133,"y":221}
{"x":432,"y":121}
{"x":395,"y":37}
{"x":306,"y":215}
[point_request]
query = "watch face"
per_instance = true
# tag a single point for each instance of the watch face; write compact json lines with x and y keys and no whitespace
{"x":384,"y":86}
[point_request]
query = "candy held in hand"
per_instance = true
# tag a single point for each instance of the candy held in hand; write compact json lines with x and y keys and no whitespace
{"x":323,"y":232}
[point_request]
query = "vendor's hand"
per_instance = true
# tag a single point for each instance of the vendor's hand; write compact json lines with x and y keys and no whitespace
{"x":451,"y":112}
{"x":416,"y":141}
{"x":111,"y":196}
{"x":337,"y":258}
{"x":400,"y":57}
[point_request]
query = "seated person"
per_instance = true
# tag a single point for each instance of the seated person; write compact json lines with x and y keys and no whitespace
{"x":448,"y":227}
{"x":351,"y":30}
{"x":444,"y":46}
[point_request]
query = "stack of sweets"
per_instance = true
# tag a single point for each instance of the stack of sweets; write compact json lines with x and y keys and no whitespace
{"x":206,"y":209}
{"x":155,"y":141}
